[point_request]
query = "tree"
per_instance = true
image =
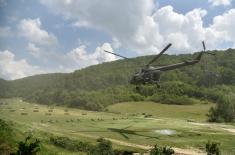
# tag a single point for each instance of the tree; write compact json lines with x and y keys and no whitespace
{"x":224,"y":110}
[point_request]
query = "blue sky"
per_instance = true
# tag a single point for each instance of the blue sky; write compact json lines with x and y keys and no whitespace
{"x":42,"y":36}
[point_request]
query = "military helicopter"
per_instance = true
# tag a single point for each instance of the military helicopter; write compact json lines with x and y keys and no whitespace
{"x":151,"y":75}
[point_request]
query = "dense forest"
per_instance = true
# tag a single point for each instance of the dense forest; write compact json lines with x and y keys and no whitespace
{"x":96,"y":87}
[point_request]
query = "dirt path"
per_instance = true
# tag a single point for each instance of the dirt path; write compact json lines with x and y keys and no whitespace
{"x":192,"y":151}
{"x":178,"y":151}
{"x":119,"y":142}
{"x":230,"y":130}
{"x":217,"y":126}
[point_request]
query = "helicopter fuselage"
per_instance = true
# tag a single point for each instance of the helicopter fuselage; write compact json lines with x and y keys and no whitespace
{"x":148,"y":75}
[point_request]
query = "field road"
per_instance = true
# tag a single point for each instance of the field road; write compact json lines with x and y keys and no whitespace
{"x":178,"y":151}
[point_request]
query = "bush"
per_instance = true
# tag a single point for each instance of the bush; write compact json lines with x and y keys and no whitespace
{"x":123,"y":152}
{"x":137,"y":97}
{"x":104,"y":147}
{"x":212,"y":148}
{"x":6,"y":137}
{"x":24,"y":113}
{"x":173,"y":99}
{"x":69,"y":144}
{"x":5,"y":129}
{"x":224,"y":111}
{"x":28,"y":147}
{"x":161,"y":150}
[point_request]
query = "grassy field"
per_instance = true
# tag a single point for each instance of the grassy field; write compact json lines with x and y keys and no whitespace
{"x":132,"y":126}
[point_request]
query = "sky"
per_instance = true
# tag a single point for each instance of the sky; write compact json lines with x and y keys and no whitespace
{"x":47,"y":36}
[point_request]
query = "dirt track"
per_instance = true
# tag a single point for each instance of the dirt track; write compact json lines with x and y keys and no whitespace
{"x":178,"y":151}
{"x":217,"y":126}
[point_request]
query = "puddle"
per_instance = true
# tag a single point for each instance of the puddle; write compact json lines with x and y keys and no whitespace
{"x":156,"y":119}
{"x":166,"y":132}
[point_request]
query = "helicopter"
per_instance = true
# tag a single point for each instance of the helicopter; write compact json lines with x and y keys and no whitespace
{"x":151,"y":75}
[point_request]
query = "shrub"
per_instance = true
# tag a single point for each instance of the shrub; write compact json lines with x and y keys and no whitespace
{"x":224,"y":111}
{"x":69,"y":144}
{"x":4,"y":127}
{"x":161,"y":150}
{"x":148,"y":115}
{"x":104,"y":147}
{"x":212,"y":148}
{"x":28,"y":147}
{"x":173,"y":99}
{"x":123,"y":152}
{"x":6,"y":135}
{"x":137,"y":97}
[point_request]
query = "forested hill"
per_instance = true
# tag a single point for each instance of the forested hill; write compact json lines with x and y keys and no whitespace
{"x":95,"y":84}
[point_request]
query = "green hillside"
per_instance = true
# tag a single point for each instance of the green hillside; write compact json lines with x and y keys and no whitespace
{"x":98,"y":86}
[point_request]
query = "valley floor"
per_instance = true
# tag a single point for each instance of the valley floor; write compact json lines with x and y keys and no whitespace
{"x":135,"y":126}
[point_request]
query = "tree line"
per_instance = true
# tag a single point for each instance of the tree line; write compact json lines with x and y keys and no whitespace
{"x":96,"y":87}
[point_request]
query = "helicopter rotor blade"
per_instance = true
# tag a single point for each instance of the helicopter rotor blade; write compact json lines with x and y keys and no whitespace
{"x":155,"y":58}
{"x":204,"y":49}
{"x":204,"y":46}
{"x":116,"y":54}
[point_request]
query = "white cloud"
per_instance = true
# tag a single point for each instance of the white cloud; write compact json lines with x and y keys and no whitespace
{"x":223,"y":26}
{"x":5,"y":31}
{"x":31,"y":29}
{"x":141,"y":27}
{"x":121,"y":18}
{"x":220,"y":2}
{"x":33,"y":49}
{"x":76,"y":58}
{"x":185,"y":32}
{"x":80,"y":58}
{"x":10,"y":68}
{"x":137,"y":26}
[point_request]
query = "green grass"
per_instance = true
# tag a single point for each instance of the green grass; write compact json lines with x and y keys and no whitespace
{"x":85,"y":126}
{"x":185,"y":112}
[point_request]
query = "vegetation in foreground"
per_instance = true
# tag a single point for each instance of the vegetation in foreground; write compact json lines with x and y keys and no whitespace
{"x":132,"y":126}
{"x":32,"y":146}
{"x":212,"y":148}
